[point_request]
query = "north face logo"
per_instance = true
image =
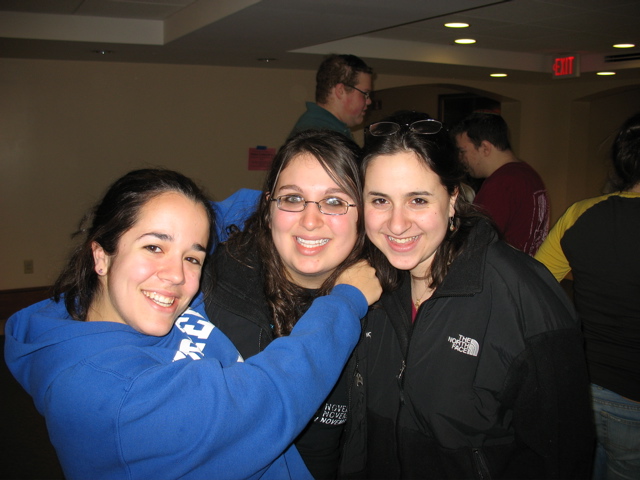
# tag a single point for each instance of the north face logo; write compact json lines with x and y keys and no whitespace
{"x":465,"y":345}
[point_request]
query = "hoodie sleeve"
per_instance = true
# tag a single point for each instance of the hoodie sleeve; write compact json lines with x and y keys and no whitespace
{"x":234,"y":420}
{"x":234,"y":210}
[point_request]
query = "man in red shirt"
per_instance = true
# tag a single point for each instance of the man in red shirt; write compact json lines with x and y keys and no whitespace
{"x":513,"y":193}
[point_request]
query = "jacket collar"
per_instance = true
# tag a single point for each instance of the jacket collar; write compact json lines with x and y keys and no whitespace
{"x":465,"y":278}
{"x":467,"y":271}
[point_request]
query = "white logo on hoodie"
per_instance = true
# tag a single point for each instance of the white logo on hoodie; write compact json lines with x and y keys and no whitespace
{"x":194,"y":325}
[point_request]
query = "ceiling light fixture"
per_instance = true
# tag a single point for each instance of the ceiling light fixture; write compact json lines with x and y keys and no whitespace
{"x":465,"y":41}
{"x":624,"y":45}
{"x":267,"y":60}
{"x":605,"y":73}
{"x":103,"y":52}
{"x":497,"y":75}
{"x":456,"y":25}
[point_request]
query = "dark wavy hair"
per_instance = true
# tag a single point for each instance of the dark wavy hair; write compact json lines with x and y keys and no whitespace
{"x":337,"y":69}
{"x":287,"y":301}
{"x":625,"y":155}
{"x":439,"y":154}
{"x":481,"y":126}
{"x":105,"y":224}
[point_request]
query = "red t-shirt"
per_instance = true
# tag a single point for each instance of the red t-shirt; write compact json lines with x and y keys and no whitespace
{"x":516,"y":198}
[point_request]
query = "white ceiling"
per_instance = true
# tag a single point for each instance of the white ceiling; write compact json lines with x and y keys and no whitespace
{"x":518,"y":37}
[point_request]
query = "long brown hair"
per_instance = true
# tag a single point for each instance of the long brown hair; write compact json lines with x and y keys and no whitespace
{"x":438,"y":153}
{"x":287,"y":301}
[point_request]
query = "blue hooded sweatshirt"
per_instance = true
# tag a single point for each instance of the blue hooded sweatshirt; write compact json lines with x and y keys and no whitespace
{"x":123,"y":405}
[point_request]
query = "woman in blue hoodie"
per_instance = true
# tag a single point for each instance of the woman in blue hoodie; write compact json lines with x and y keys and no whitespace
{"x":135,"y":383}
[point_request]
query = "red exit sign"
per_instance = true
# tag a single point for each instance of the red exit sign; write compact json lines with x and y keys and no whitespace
{"x":564,"y":67}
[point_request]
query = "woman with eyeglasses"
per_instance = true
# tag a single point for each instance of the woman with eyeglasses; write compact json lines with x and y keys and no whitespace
{"x":308,"y":228}
{"x":473,"y":362}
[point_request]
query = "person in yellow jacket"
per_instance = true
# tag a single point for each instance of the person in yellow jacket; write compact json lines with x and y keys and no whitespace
{"x":598,"y":241}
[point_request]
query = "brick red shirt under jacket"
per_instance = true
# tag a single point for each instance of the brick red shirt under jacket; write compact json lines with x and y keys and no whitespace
{"x":516,"y":198}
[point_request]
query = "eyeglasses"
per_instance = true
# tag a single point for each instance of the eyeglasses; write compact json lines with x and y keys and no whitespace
{"x":367,"y":95}
{"x":327,"y":206}
{"x":421,"y":127}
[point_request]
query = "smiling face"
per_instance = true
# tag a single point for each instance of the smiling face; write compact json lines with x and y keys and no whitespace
{"x":155,"y":272}
{"x":311,"y":245}
{"x":406,"y":210}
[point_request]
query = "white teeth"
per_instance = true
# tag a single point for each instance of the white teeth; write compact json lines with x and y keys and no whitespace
{"x":402,"y":241}
{"x":160,"y":299}
{"x":312,"y":243}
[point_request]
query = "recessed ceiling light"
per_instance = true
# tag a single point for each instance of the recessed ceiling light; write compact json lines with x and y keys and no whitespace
{"x":267,"y":60}
{"x":465,"y":41}
{"x":624,"y":45}
{"x":606,"y":73}
{"x":497,"y":75}
{"x":456,"y":25}
{"x":103,"y":52}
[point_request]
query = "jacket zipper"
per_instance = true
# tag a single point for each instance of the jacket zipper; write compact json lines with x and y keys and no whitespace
{"x":358,"y":380}
{"x":400,"y":378}
{"x":481,"y":464}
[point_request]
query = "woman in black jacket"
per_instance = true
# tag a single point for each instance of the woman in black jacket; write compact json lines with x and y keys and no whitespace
{"x":307,"y":229}
{"x":473,"y":362}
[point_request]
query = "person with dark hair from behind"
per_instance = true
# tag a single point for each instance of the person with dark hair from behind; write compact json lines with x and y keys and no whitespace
{"x":132,"y":379}
{"x":343,"y":92}
{"x":512,"y":193}
{"x":308,"y":228}
{"x":598,"y":241}
{"x":472,"y":361}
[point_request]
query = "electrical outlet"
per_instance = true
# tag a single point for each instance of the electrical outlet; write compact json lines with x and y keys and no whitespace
{"x":28,"y":266}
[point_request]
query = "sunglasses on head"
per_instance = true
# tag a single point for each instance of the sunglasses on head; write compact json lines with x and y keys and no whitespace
{"x":422,"y":127}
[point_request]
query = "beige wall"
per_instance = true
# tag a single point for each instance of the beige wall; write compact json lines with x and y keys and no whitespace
{"x":68,"y":129}
{"x":564,"y":129}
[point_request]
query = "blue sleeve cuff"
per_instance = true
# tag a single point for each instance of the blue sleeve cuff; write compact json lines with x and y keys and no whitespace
{"x":354,"y":297}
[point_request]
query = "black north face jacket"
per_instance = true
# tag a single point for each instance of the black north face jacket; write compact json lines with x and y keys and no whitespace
{"x":489,"y":382}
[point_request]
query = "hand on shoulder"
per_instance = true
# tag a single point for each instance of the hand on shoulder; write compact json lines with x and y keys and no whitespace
{"x":362,"y":276}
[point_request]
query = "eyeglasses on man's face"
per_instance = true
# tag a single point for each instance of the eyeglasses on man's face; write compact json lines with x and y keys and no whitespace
{"x":327,"y":206}
{"x":428,"y":126}
{"x":367,"y":95}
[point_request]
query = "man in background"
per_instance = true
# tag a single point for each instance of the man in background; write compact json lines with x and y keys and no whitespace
{"x":343,"y":89}
{"x":513,"y":193}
